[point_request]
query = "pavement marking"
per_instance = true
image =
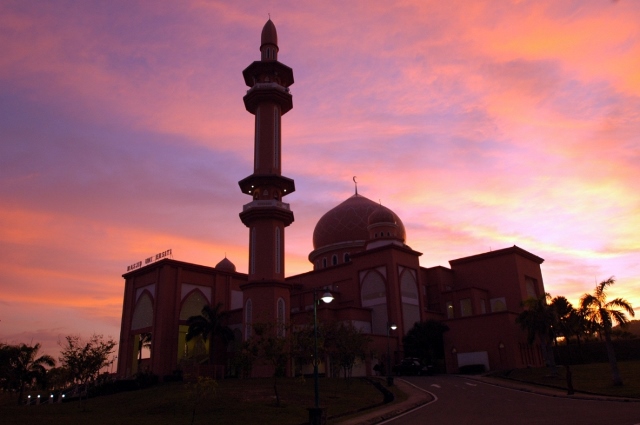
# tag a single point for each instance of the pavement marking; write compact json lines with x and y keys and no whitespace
{"x":435,"y":399}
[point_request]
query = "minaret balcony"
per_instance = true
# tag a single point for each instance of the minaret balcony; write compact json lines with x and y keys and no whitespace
{"x":266,"y":209}
{"x":266,"y":93}
{"x":271,"y":85}
{"x":266,"y":203}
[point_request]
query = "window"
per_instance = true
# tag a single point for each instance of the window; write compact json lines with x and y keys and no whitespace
{"x":498,"y":304}
{"x":281,"y":318}
{"x":252,"y":254}
{"x":324,"y":263}
{"x":483,"y":306}
{"x":410,"y":302}
{"x":531,"y":284}
{"x":192,"y":305}
{"x":347,"y":258}
{"x":278,"y":244}
{"x":248,"y":316}
{"x":334,"y":260}
{"x":465,"y":307}
{"x":374,"y":295}
{"x":143,"y":313}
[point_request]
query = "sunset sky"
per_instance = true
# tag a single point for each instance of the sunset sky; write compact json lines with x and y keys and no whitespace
{"x":482,"y":124}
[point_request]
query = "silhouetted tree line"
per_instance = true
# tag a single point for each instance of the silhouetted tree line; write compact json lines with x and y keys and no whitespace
{"x":23,"y":368}
{"x":554,"y":321}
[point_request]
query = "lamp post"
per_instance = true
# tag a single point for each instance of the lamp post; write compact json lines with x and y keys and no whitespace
{"x":390,"y":327}
{"x":315,"y":413}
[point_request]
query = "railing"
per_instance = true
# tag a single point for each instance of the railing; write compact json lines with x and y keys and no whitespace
{"x":265,"y":203}
{"x":270,"y":85}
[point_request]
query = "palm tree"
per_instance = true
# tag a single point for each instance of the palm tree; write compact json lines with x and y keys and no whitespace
{"x":144,"y":341}
{"x":538,"y":319}
{"x":27,"y":367}
{"x":604,"y":314}
{"x":210,"y":324}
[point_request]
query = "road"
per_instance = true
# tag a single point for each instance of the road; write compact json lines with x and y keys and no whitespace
{"x":461,"y":401}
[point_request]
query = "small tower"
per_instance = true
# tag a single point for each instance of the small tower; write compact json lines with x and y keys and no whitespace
{"x":266,"y":295}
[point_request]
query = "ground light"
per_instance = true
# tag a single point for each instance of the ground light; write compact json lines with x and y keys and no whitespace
{"x":316,"y":416}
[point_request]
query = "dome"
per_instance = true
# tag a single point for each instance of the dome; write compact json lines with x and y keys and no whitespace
{"x":348,"y":222}
{"x":381,"y":215}
{"x":225,"y":265}
{"x":269,"y":34}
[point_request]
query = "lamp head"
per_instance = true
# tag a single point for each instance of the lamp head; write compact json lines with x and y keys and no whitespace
{"x":327,"y":297}
{"x":393,"y":326}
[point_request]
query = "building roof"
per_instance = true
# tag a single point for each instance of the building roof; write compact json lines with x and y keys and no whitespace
{"x":505,"y":251}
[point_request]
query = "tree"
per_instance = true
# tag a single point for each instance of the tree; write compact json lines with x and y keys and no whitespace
{"x":268,"y":346}
{"x":345,"y":344}
{"x":424,"y":341}
{"x":302,"y":343}
{"x":144,"y":341}
{"x":209,"y":325}
{"x":604,"y":314}
{"x":85,"y":359}
{"x":200,"y":391}
{"x":23,"y":366}
{"x":538,"y":319}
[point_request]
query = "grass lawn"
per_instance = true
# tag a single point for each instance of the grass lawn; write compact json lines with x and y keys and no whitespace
{"x":236,"y":401}
{"x":592,"y":378}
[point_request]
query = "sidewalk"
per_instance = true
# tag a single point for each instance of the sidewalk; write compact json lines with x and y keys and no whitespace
{"x":415,"y":398}
{"x":544,"y":390}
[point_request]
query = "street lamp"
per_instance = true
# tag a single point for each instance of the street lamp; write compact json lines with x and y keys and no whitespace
{"x":315,"y":414}
{"x":390,"y":327}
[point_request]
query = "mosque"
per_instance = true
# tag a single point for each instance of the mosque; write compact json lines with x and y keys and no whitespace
{"x":359,"y":256}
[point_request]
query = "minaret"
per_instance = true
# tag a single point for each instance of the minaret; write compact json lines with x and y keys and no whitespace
{"x":266,"y":295}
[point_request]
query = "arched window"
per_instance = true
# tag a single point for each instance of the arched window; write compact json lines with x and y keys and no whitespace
{"x":347,"y":257}
{"x":334,"y":260}
{"x":143,"y":313}
{"x":374,"y":296}
{"x":252,"y":254}
{"x":248,"y":318}
{"x":410,"y":301}
{"x":281,"y":317}
{"x":192,"y":305}
{"x":276,"y":138}
{"x":324,"y":263}
{"x":278,"y":255}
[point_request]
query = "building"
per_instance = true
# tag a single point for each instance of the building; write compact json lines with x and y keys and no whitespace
{"x":359,"y":255}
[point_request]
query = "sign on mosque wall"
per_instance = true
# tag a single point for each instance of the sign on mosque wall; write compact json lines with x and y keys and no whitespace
{"x":149,"y":260}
